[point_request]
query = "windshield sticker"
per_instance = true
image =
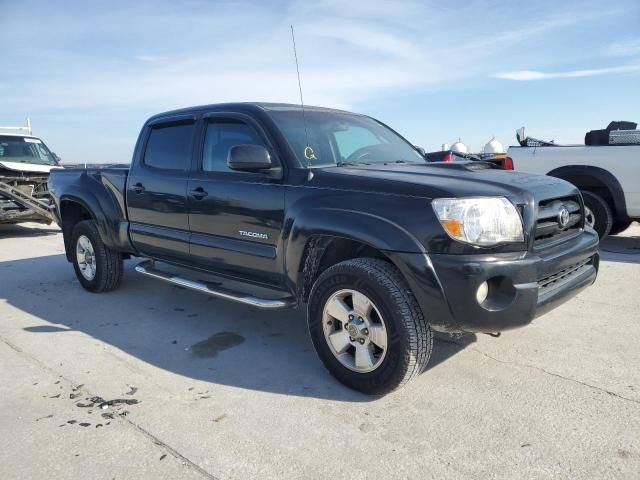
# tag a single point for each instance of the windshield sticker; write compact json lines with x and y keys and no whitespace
{"x":309,"y":154}
{"x":32,"y":140}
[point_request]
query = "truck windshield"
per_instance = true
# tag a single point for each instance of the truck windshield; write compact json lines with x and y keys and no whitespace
{"x":24,"y":150}
{"x":335,"y":138}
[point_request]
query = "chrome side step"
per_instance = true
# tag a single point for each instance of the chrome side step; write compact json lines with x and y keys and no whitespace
{"x":147,"y":267}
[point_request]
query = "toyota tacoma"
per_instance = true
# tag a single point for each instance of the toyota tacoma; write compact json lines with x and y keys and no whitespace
{"x":337,"y":213}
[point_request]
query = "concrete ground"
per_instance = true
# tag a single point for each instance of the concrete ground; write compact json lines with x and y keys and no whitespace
{"x":204,"y":388}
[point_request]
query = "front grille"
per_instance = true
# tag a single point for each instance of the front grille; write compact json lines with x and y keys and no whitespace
{"x":548,"y":283}
{"x":551,"y":215}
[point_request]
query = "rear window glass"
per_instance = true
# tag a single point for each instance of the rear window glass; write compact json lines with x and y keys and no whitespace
{"x":169,"y":147}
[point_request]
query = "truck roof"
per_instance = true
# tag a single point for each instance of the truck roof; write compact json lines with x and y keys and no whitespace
{"x":264,"y":106}
{"x":23,"y":135}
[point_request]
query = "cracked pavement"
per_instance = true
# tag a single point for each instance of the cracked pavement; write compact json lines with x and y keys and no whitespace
{"x":223,"y":391}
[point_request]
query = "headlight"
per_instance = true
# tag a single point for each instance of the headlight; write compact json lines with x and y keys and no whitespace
{"x":480,"y":221}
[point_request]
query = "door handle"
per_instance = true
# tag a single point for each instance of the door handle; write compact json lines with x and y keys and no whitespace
{"x":138,"y":188}
{"x":198,"y":193}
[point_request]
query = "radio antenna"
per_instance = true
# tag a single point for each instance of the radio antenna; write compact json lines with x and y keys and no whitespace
{"x":308,"y":151}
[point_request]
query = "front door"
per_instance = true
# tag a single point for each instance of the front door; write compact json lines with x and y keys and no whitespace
{"x":157,"y":190}
{"x":236,"y":218}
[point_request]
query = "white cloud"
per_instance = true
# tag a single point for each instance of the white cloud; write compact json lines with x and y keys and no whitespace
{"x":371,"y":38}
{"x":624,"y":49}
{"x":127,"y":60}
{"x":360,"y":9}
{"x":523,"y":75}
{"x":349,"y":52}
{"x":148,"y":58}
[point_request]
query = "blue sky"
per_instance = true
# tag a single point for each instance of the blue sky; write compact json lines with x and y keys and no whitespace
{"x":89,"y":73}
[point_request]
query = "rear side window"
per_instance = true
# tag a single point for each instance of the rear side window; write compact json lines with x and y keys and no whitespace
{"x":221,"y":135}
{"x":169,"y":147}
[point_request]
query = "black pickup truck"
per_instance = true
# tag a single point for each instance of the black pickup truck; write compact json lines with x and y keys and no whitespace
{"x":336,"y":212}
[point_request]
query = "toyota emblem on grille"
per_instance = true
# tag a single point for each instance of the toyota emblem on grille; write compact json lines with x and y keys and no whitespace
{"x":563,"y":217}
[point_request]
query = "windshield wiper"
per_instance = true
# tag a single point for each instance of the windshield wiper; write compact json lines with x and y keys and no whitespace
{"x":397,"y":162}
{"x":351,"y":164}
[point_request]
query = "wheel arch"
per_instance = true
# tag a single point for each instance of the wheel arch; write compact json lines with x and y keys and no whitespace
{"x":598,"y":181}
{"x":325,"y":237}
{"x":72,"y":211}
{"x":85,"y":203}
{"x":323,"y":251}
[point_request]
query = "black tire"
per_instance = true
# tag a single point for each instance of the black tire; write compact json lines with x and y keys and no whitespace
{"x":601,"y":211}
{"x":410,"y":339}
{"x":619,"y":227}
{"x":108,"y":263}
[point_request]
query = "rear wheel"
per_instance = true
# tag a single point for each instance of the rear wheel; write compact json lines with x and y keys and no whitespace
{"x":598,"y":214}
{"x":367,"y":326}
{"x":98,"y":268}
{"x":619,"y":227}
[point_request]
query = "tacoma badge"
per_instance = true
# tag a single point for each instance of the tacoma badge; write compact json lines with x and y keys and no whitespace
{"x":253,"y":234}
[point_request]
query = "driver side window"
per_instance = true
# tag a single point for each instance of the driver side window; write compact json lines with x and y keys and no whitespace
{"x":353,"y":139}
{"x":220,"y":136}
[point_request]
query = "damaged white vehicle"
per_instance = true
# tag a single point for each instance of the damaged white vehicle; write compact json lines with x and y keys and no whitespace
{"x":25,"y":163}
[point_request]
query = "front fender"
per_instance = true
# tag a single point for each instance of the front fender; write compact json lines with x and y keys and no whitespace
{"x":368,"y":228}
{"x":582,"y":174}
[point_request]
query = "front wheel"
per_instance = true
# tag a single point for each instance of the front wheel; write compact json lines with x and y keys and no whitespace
{"x":367,"y":326}
{"x":597,"y":213}
{"x":98,"y":268}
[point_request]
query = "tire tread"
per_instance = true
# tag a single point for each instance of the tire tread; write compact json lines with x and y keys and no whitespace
{"x":109,"y":261}
{"x":420,"y":336}
{"x":604,"y":219}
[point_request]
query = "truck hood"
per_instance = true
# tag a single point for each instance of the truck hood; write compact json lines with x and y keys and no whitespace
{"x":438,"y":181}
{"x":26,"y":167}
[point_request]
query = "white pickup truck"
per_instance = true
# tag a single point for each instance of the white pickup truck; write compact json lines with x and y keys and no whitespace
{"x":25,"y":163}
{"x":607,"y":175}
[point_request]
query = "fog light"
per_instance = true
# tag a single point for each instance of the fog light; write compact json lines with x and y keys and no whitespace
{"x":482,"y":292}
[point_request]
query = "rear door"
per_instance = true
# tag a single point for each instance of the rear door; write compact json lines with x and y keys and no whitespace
{"x":236,"y":218}
{"x":157,"y":189}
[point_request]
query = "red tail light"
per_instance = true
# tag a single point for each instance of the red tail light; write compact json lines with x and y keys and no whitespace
{"x":448,"y":157}
{"x":508,"y":163}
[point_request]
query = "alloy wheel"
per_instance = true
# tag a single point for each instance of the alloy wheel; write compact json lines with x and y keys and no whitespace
{"x":355,"y":330}
{"x":86,"y":258}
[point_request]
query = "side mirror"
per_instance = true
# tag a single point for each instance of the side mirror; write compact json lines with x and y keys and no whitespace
{"x":420,"y":150}
{"x":249,"y":158}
